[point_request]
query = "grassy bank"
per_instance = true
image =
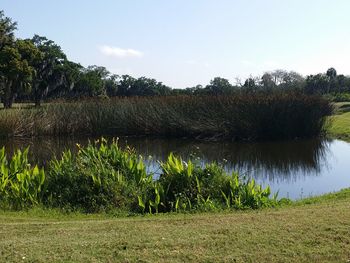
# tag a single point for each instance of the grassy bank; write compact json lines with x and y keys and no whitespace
{"x":241,"y":117}
{"x":312,"y":230}
{"x":340,"y":127}
{"x":340,"y":122}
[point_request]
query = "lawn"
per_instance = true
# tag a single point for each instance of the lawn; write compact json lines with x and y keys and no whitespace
{"x":340,"y":126}
{"x":313,"y":230}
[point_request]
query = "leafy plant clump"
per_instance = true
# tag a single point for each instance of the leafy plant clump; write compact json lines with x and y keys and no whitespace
{"x":185,"y":186}
{"x":104,"y":177}
{"x":20,"y":184}
{"x":100,"y":177}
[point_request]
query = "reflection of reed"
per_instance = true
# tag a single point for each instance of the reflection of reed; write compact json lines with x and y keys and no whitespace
{"x":273,"y":161}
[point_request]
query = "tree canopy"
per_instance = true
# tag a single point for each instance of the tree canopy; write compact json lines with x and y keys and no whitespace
{"x":37,"y":69}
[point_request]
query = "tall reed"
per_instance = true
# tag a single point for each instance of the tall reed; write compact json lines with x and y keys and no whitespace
{"x":238,"y":117}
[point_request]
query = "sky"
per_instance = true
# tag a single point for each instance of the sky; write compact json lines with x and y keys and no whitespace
{"x":183,"y":43}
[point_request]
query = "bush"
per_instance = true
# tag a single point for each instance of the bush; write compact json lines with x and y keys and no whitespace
{"x":100,"y":177}
{"x":187,"y":186}
{"x":339,"y":97}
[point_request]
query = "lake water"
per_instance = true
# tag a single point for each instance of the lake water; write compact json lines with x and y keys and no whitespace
{"x":295,"y":168}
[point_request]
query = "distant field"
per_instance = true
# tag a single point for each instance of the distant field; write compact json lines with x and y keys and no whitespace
{"x":315,"y":230}
{"x":340,"y":122}
{"x":19,"y":105}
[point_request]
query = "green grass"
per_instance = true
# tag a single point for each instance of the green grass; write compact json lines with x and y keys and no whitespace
{"x":340,"y":126}
{"x":311,"y":230}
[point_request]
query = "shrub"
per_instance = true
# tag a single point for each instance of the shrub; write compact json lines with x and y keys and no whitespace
{"x":187,"y":186}
{"x":100,"y":177}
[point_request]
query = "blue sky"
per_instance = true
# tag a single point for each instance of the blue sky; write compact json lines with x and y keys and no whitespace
{"x":187,"y":42}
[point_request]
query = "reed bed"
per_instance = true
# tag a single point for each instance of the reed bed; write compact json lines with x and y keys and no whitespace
{"x":239,"y":117}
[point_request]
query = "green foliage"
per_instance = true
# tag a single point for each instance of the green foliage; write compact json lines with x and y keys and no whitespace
{"x":7,"y":28}
{"x":338,"y":97}
{"x":186,"y":186}
{"x":100,"y":177}
{"x":20,"y":184}
{"x":16,"y":70}
{"x":49,"y":74}
{"x":104,"y":177}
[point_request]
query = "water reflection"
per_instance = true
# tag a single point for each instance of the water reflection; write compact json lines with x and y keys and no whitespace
{"x":285,"y":165}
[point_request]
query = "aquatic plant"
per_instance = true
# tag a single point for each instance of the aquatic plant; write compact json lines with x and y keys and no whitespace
{"x":104,"y":177}
{"x":234,"y":117}
{"x":101,"y":176}
{"x":20,"y":184}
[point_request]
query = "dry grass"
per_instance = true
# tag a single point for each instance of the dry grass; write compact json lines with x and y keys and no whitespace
{"x":317,"y":232}
{"x":247,"y":117}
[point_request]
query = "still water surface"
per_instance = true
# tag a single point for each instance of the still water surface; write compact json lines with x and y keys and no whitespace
{"x":295,"y":168}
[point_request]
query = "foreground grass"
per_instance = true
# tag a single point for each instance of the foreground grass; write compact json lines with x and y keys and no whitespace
{"x":316,"y":229}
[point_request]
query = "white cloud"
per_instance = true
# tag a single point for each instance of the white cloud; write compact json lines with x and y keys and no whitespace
{"x":119,"y":52}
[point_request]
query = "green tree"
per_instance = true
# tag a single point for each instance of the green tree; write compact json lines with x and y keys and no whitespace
{"x":16,"y":70}
{"x":111,"y":85}
{"x":317,"y":84}
{"x":49,"y":73}
{"x":125,"y":84}
{"x":250,"y":85}
{"x":331,"y":73}
{"x":92,"y":81}
{"x":219,"y":86}
{"x":333,"y":83}
{"x":7,"y":29}
{"x":147,"y":87}
{"x":71,"y":74}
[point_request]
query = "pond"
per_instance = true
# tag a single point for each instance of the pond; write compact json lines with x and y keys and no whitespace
{"x":295,"y":169}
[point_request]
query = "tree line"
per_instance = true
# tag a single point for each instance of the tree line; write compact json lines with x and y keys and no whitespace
{"x":37,"y":69}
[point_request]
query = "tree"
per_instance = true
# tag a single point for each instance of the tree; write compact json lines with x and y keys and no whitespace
{"x":16,"y":70}
{"x":92,"y":81}
{"x":250,"y":85}
{"x":268,"y":82}
{"x":49,"y":73}
{"x":111,"y":85}
{"x":293,"y":80}
{"x":7,"y":29}
{"x":219,"y":86}
{"x":317,"y":84}
{"x":71,"y":74}
{"x":331,"y":73}
{"x":147,"y":87}
{"x":126,"y":82}
{"x":333,"y":83}
{"x":282,"y":79}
